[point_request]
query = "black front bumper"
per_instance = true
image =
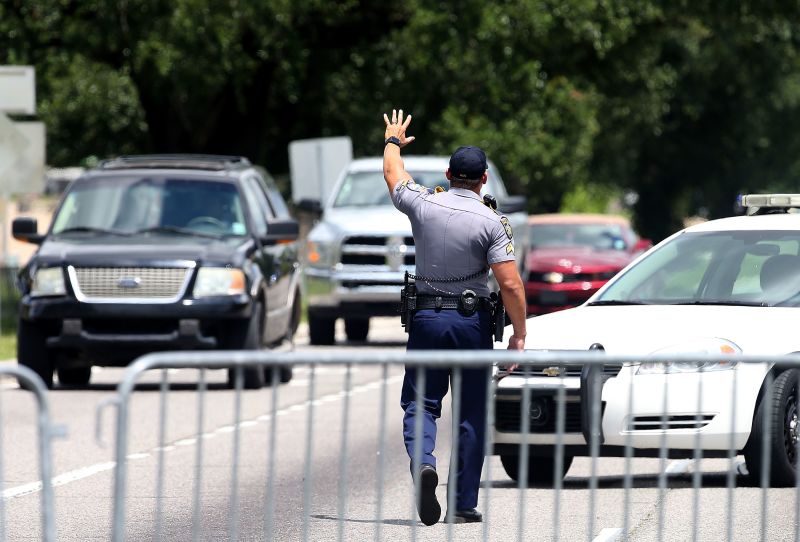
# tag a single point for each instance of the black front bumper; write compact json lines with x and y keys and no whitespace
{"x":116,"y":333}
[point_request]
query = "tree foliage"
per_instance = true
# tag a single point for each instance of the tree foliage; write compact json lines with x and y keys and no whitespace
{"x":685,"y":103}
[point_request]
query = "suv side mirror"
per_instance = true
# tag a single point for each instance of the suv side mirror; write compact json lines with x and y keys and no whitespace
{"x":26,"y":229}
{"x":280,"y":231}
{"x":310,"y":205}
{"x":512,"y":204}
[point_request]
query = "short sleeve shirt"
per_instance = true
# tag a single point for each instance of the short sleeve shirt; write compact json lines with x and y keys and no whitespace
{"x":455,"y":235}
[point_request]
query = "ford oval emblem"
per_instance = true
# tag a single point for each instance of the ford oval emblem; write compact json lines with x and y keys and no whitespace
{"x":129,"y":282}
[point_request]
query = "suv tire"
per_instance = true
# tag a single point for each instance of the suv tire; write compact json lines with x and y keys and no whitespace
{"x":74,"y":376}
{"x":32,"y":351}
{"x":356,"y":329}
{"x":321,"y":331}
{"x":253,"y":376}
{"x":541,"y":470}
{"x":783,"y":420}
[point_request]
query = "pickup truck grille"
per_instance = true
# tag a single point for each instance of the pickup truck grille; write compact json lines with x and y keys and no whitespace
{"x":129,"y":283}
{"x":376,"y":250}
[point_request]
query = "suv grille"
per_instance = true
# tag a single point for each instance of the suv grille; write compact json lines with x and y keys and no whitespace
{"x":98,"y":283}
{"x":378,"y":250}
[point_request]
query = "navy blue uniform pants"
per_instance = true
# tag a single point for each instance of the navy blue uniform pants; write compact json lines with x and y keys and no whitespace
{"x":449,"y":330}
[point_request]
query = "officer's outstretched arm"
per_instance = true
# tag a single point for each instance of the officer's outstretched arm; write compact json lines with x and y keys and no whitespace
{"x":393,"y":169}
{"x":513,"y":292}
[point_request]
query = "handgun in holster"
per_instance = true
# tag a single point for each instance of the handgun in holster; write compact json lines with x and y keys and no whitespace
{"x":408,"y":302}
{"x":498,"y":316}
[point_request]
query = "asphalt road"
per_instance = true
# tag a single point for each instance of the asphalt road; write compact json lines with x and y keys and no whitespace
{"x":330,"y":498}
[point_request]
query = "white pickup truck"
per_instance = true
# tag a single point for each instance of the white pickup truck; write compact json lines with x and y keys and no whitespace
{"x":358,"y":252}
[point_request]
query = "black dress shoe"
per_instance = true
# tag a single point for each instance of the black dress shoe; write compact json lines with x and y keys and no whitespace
{"x":427,"y":505}
{"x":467,"y":516}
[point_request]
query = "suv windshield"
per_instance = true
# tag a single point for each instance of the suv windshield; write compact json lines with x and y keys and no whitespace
{"x":596,"y":236}
{"x":715,"y":268}
{"x":165,"y":205}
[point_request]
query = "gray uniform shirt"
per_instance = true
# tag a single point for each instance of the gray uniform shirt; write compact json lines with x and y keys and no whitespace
{"x":455,"y":235}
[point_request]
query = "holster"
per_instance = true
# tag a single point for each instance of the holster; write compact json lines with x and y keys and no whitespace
{"x":408,"y":299}
{"x":498,"y":316}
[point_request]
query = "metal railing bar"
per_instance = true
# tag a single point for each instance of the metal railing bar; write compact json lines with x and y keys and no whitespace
{"x":309,"y":454}
{"x":627,"y":478}
{"x":381,"y":452}
{"x":524,"y":454}
{"x":730,"y":479}
{"x":342,"y":505}
{"x":269,"y":520}
{"x":594,"y":445}
{"x":454,"y":466}
{"x":419,"y":379}
{"x":797,"y":464}
{"x":237,"y":437}
{"x":198,"y":460}
{"x":766,"y":449}
{"x":162,"y":442}
{"x":3,"y":468}
{"x":558,"y":474}
{"x":662,"y":462}
{"x":488,"y":452}
{"x":697,"y":474}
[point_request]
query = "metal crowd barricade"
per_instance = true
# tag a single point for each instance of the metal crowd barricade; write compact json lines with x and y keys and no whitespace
{"x":46,"y":432}
{"x":592,"y":405}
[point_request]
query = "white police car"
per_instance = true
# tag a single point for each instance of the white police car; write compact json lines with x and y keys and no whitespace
{"x":726,"y":286}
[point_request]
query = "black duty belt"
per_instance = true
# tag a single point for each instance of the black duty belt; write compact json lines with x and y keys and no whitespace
{"x":446,"y":302}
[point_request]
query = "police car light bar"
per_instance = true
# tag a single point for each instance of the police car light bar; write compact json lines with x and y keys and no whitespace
{"x":770,"y":200}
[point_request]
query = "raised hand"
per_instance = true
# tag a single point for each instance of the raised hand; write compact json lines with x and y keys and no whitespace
{"x":397,"y":127}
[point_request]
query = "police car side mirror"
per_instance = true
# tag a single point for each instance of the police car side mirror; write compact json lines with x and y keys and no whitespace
{"x":512,"y":204}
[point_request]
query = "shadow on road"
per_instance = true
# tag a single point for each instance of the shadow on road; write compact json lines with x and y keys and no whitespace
{"x":638,"y":481}
{"x":400,"y":522}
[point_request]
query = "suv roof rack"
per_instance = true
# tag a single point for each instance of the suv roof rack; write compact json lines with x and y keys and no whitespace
{"x":761,"y":204}
{"x":212,"y":162}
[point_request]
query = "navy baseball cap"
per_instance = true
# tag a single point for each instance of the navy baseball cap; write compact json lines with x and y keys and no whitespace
{"x":468,"y":163}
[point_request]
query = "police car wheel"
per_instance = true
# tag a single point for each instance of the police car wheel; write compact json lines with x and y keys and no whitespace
{"x":782,"y":431}
{"x":356,"y":329}
{"x":541,"y":470}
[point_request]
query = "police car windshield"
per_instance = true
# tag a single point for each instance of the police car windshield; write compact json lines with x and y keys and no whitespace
{"x":750,"y":268}
{"x":158,"y":206}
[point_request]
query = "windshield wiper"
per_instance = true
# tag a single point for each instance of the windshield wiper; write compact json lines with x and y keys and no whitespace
{"x":179,"y":231}
{"x":724,"y":303}
{"x":616,"y":302}
{"x":88,"y":229}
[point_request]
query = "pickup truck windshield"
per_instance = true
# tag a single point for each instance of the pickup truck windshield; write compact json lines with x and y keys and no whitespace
{"x":153,"y":205}
{"x":368,"y":188}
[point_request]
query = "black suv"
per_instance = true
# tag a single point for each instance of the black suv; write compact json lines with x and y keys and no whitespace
{"x":161,"y":252}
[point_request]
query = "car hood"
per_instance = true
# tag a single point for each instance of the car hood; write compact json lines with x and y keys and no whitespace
{"x":634,"y":330}
{"x":131,"y":251}
{"x":366,"y":220}
{"x":570,"y":258}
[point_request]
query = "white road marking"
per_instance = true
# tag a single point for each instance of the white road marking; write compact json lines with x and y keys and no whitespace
{"x":609,"y":535}
{"x":91,"y":470}
{"x":680,"y":466}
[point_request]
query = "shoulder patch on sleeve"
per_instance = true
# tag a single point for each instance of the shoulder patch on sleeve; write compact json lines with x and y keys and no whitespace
{"x":507,"y":227}
{"x":510,"y":248}
{"x":401,"y":185}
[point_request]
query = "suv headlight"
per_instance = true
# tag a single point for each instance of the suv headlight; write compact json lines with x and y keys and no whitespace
{"x":702,"y":346}
{"x":48,"y":281}
{"x":219,"y":281}
{"x":319,"y":254}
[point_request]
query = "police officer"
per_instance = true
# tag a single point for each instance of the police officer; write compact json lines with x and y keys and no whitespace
{"x":458,"y":238}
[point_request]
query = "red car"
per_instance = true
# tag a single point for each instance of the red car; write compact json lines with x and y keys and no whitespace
{"x":572,"y":255}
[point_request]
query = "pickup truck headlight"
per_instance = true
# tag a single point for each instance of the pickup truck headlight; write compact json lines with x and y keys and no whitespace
{"x":48,"y":281}
{"x":219,"y":281}
{"x":702,"y":346}
{"x":319,"y":254}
